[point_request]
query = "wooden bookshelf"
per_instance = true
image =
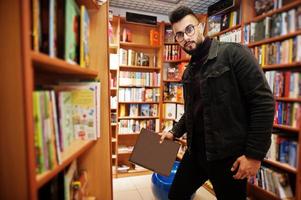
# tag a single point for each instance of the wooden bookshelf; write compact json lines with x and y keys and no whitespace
{"x":137,"y":45}
{"x":21,"y":69}
{"x":74,"y":151}
{"x":177,"y":102}
{"x":45,"y":63}
{"x":275,"y":11}
{"x":274,"y":39}
{"x":282,"y":66}
{"x":140,"y":68}
{"x":283,"y":166}
{"x":286,"y":128}
{"x":260,"y":193}
{"x":287,"y":99}
{"x":172,"y":81}
{"x":140,"y":43}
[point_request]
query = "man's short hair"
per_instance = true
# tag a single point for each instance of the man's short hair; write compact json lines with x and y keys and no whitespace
{"x":179,"y":13}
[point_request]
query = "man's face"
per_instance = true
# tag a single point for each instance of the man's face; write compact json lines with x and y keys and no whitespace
{"x":188,"y":33}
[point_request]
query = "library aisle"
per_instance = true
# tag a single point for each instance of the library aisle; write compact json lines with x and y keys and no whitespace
{"x":140,"y":188}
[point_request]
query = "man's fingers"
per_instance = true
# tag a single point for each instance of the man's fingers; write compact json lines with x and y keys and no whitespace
{"x":235,"y":165}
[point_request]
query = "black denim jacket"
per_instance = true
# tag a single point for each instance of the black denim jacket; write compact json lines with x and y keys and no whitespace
{"x":238,"y":104}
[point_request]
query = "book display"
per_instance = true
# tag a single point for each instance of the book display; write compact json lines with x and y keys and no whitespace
{"x":57,"y":142}
{"x":135,"y":88}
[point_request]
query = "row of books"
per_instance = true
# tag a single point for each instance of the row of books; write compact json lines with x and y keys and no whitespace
{"x":168,"y":35}
{"x":70,"y":184}
{"x":287,"y":114}
{"x":139,"y":94}
{"x":232,"y":36}
{"x":284,"y":84}
{"x":134,"y":126}
{"x":274,"y":181}
{"x":173,"y":111}
{"x":125,"y":149}
{"x":264,"y":6}
{"x":174,"y":52}
{"x":173,"y":92}
{"x":217,"y":23}
{"x":61,"y":29}
{"x":276,"y":25}
{"x":283,"y":149}
{"x":127,"y":78}
{"x":173,"y":72}
{"x":69,"y":112}
{"x":132,"y":58}
{"x":283,"y":52}
{"x":135,"y":110}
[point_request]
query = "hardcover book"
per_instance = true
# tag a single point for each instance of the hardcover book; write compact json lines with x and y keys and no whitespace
{"x":150,"y":154}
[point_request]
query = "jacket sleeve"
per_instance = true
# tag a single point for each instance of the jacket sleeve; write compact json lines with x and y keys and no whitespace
{"x":259,"y":101}
{"x":179,"y":128}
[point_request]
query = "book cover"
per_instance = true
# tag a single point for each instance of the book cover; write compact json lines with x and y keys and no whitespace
{"x":72,"y":32}
{"x":154,"y":37}
{"x":150,"y":154}
{"x":144,"y":110}
{"x":214,"y":24}
{"x":225,"y":21}
{"x":170,"y":111}
{"x":133,"y":110}
{"x":84,"y":37}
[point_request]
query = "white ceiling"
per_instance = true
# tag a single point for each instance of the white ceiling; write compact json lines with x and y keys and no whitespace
{"x":162,"y":6}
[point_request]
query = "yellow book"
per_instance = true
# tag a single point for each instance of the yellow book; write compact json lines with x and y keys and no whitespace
{"x":84,"y":37}
{"x":122,"y":110}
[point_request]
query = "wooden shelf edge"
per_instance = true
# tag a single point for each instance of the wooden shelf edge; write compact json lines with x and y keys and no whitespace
{"x":83,"y":146}
{"x":288,"y":99}
{"x":264,"y":194}
{"x":137,"y":45}
{"x":287,"y":128}
{"x":140,"y":117}
{"x":137,"y":102}
{"x":282,"y":166}
{"x":274,"y":39}
{"x":176,"y":61}
{"x":137,"y":86}
{"x":177,"y":102}
{"x":44,"y":62}
{"x":281,"y":66}
{"x":126,"y":67}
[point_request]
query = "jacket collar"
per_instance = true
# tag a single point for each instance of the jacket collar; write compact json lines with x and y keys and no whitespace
{"x":213,"y":50}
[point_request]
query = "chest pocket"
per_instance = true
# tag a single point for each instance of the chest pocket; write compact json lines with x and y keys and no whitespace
{"x":219,"y":82}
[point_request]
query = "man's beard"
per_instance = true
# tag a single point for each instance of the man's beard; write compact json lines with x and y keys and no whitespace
{"x":191,"y":52}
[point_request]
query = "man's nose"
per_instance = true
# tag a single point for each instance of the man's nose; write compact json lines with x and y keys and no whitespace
{"x":186,"y":37}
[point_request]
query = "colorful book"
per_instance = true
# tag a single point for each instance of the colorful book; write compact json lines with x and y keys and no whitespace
{"x":84,"y":37}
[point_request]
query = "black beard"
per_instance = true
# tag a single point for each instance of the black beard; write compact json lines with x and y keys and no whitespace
{"x":191,"y":52}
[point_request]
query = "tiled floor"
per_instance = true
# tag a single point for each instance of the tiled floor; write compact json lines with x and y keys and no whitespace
{"x":139,"y":188}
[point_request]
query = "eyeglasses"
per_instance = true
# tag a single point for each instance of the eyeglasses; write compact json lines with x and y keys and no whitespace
{"x":189,"y":31}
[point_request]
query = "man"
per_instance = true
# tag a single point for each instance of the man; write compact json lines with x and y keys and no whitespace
{"x":228,"y":115}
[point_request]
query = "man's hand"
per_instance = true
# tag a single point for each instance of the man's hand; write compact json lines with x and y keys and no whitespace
{"x":247,"y":167}
{"x":167,"y":135}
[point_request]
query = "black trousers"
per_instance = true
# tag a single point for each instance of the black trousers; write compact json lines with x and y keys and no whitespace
{"x":192,"y":174}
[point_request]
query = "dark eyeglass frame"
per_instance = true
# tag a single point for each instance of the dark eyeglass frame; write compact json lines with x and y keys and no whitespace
{"x":179,"y":36}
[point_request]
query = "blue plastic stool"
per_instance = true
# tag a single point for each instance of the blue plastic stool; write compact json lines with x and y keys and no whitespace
{"x":161,"y":184}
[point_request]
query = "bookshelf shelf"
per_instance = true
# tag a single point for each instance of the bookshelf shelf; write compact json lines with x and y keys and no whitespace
{"x":137,"y":45}
{"x":287,"y":99}
{"x":124,"y":67}
{"x":113,"y":89}
{"x":139,"y":117}
{"x":76,"y":149}
{"x":43,"y":62}
{"x":281,"y":66}
{"x":137,"y":102}
{"x":274,"y":39}
{"x":114,"y":140}
{"x":261,"y":193}
{"x":113,"y":124}
{"x":177,"y":102}
{"x":113,"y":46}
{"x":137,"y":86}
{"x":172,"y":81}
{"x":268,"y":14}
{"x":286,"y":128}
{"x":280,"y":165}
{"x":177,"y":61}
{"x":225,"y":31}
{"x":134,"y":173}
{"x":128,"y":134}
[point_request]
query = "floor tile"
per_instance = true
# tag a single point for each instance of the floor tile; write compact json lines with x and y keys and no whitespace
{"x":127,"y":195}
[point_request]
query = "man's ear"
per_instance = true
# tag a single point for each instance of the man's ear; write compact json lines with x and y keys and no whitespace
{"x":202,"y":27}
